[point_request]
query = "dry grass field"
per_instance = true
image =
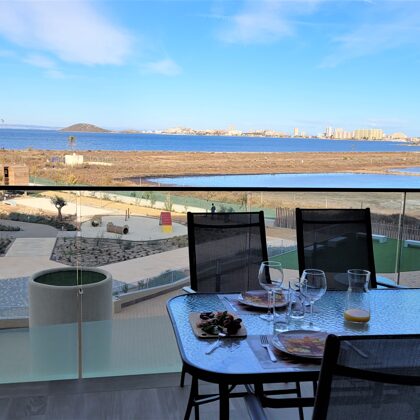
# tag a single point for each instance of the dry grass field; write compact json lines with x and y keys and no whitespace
{"x":127,"y":168}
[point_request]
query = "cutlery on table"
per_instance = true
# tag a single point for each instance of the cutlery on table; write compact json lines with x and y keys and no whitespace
{"x":216,"y":344}
{"x":264,"y":343}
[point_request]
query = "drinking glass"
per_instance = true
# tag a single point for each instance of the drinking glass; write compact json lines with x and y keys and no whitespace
{"x":357,"y":297}
{"x":313,"y":285}
{"x":270,"y":277}
{"x":296,"y":302}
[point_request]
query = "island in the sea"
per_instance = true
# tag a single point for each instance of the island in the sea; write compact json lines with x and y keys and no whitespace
{"x":85,"y":128}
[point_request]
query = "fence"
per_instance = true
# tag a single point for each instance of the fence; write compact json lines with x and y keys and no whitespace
{"x":381,"y":224}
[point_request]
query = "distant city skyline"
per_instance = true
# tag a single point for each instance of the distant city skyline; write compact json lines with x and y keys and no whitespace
{"x":248,"y":64}
{"x":329,"y":132}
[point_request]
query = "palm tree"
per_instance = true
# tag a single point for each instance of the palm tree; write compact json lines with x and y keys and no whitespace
{"x":71,"y":142}
{"x":59,"y":203}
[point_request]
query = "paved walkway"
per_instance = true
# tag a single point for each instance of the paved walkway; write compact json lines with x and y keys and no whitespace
{"x":11,"y":267}
{"x":140,"y":268}
{"x":28,"y":230}
{"x":23,"y":247}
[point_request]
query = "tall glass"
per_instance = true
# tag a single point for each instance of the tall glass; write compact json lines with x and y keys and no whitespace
{"x":270,"y":277}
{"x":313,"y":285}
{"x":357,"y":297}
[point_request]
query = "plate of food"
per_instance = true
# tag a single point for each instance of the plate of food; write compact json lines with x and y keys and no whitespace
{"x":301,"y":343}
{"x":259,"y":299}
{"x":210,"y":324}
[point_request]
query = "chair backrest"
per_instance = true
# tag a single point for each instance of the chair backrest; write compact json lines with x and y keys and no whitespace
{"x":369,"y":377}
{"x":335,"y":240}
{"x":226,"y":250}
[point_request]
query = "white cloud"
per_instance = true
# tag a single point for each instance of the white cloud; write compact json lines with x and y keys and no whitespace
{"x":39,"y":61}
{"x":260,"y":23}
{"x":370,"y":39}
{"x":264,"y":21}
{"x":72,"y":30}
{"x":46,"y":64}
{"x":166,"y":67}
{"x":391,"y":25}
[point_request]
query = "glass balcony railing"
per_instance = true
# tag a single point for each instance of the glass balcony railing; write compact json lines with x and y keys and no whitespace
{"x":119,"y":244}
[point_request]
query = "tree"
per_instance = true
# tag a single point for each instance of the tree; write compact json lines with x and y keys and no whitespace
{"x":59,"y":203}
{"x":71,"y":142}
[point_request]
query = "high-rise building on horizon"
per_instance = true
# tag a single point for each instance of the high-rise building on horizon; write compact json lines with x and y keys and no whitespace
{"x":369,"y":134}
{"x":329,"y":131}
{"x":339,"y":133}
{"x":295,"y":132}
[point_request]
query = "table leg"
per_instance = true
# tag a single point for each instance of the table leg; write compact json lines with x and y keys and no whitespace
{"x":191,"y":400}
{"x":224,"y":401}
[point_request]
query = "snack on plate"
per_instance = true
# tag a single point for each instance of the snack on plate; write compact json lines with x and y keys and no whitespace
{"x":215,"y":322}
{"x":309,"y":345}
{"x":261,"y":298}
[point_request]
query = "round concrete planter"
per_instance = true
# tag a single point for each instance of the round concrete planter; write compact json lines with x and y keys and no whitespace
{"x":54,"y":296}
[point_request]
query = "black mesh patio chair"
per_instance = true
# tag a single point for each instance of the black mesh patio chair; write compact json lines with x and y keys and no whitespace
{"x":226,"y":250}
{"x":335,"y":240}
{"x":369,"y":377}
{"x":225,"y":253}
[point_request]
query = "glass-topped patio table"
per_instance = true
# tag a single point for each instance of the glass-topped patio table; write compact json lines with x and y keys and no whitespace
{"x":393,"y":311}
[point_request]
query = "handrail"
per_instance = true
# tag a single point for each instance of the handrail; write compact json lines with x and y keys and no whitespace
{"x":187,"y":189}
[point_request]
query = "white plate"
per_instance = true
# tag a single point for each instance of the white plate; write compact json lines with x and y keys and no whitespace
{"x":258,"y":299}
{"x":279,"y":342}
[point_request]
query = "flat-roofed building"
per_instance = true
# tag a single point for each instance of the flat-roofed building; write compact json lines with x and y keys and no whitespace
{"x":369,"y":134}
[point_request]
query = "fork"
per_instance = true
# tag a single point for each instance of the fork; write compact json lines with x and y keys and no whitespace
{"x":264,"y":343}
{"x":216,"y":344}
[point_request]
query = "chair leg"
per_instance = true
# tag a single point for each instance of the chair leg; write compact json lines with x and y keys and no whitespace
{"x":182,"y":377}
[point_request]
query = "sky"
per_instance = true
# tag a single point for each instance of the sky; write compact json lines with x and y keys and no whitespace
{"x":243,"y":64}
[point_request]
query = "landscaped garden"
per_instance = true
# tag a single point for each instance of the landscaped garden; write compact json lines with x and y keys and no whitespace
{"x":94,"y":252}
{"x":385,"y":257}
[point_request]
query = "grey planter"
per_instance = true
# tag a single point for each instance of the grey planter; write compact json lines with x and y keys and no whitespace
{"x":54,"y":296}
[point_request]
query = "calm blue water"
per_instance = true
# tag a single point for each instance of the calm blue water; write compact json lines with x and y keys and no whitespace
{"x":57,"y":140}
{"x":413,"y":170}
{"x":333,"y":180}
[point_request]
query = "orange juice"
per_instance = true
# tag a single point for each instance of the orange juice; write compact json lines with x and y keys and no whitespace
{"x":357,"y":315}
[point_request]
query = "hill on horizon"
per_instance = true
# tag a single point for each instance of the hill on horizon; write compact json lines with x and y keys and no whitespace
{"x":87,"y":128}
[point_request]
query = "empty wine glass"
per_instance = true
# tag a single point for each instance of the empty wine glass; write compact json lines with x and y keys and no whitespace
{"x":313,"y":285}
{"x":270,"y":277}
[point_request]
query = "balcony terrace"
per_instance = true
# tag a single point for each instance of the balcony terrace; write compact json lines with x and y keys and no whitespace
{"x":128,"y":366}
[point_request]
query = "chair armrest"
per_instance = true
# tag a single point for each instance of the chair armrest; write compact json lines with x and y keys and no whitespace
{"x":387,"y":285}
{"x":188,"y":289}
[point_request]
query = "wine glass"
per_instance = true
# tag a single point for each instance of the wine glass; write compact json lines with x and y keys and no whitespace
{"x":270,"y":277}
{"x":313,"y":285}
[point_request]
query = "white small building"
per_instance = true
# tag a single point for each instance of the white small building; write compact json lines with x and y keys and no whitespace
{"x":73,"y":159}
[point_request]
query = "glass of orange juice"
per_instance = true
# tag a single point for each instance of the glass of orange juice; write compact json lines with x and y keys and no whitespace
{"x":357,"y":298}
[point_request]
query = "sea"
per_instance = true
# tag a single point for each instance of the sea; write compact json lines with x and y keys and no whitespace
{"x":21,"y":139}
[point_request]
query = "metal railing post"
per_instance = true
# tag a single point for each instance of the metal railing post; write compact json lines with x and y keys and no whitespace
{"x":400,"y":237}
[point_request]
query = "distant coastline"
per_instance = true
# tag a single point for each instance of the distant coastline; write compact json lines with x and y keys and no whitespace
{"x":229,"y":133}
